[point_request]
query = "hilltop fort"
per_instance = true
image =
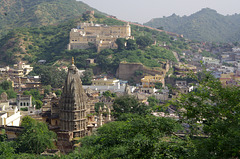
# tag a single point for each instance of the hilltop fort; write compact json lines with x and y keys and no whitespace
{"x":101,"y":36}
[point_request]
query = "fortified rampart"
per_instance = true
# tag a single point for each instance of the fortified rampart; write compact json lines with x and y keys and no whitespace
{"x":126,"y":71}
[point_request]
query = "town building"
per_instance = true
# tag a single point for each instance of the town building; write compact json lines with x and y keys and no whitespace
{"x":26,"y":69}
{"x":105,"y":82}
{"x":24,"y":101}
{"x":150,"y":81}
{"x":9,"y":116}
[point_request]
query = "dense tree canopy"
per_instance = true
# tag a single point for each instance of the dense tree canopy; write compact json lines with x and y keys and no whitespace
{"x":87,"y":77}
{"x":138,"y":137}
{"x":35,"y":137}
{"x":144,"y":41}
{"x":50,"y":75}
{"x":128,"y":104}
{"x":213,"y":110}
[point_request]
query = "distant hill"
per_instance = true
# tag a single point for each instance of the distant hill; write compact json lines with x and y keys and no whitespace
{"x":35,"y":13}
{"x":205,"y":25}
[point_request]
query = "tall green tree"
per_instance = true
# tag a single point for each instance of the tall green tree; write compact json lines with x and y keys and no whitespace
{"x":87,"y":77}
{"x":35,"y":137}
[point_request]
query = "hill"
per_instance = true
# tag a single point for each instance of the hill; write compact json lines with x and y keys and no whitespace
{"x":205,"y":25}
{"x":35,"y":13}
{"x":50,"y":42}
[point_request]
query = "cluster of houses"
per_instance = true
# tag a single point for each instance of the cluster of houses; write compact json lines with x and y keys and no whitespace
{"x":18,"y":75}
{"x":224,"y":62}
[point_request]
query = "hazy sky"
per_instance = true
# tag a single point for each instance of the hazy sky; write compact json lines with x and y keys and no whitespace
{"x":144,"y":10}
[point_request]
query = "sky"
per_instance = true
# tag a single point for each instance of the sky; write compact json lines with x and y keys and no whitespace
{"x":144,"y":10}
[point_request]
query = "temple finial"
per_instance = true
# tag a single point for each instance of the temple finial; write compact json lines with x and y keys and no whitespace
{"x":72,"y":60}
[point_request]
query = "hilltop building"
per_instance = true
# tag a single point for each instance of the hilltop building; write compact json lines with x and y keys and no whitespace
{"x":101,"y":36}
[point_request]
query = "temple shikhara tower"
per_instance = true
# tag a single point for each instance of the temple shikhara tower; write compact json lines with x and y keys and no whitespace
{"x":73,"y":104}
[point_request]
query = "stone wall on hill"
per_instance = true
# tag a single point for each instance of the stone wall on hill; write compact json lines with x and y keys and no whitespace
{"x":126,"y":71}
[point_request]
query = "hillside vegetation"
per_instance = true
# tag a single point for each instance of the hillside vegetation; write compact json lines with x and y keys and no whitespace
{"x":35,"y":13}
{"x":205,"y":25}
{"x":50,"y":42}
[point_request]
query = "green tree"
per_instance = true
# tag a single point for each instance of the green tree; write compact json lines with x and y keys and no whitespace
{"x":131,"y":44}
{"x":213,"y":110}
{"x":138,"y":137}
{"x":58,"y":92}
{"x":144,"y":41}
{"x":87,"y":77}
{"x":158,"y":85}
{"x":121,"y":43}
{"x":50,"y":75}
{"x":38,"y":104}
{"x":11,"y":93}
{"x":7,"y":149}
{"x":47,"y":89}
{"x":6,"y":85}
{"x":152,"y":101}
{"x":128,"y":104}
{"x":98,"y":105}
{"x":35,"y":137}
{"x":86,"y":16}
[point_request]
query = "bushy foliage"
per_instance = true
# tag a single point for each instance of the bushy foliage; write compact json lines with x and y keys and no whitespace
{"x":109,"y":94}
{"x":50,"y":75}
{"x":128,"y":104}
{"x":49,"y":43}
{"x":138,"y":137}
{"x":35,"y":137}
{"x":212,"y":110}
{"x":6,"y":86}
{"x":87,"y":77}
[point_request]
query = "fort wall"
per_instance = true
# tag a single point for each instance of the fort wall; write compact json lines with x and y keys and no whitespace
{"x":126,"y":71}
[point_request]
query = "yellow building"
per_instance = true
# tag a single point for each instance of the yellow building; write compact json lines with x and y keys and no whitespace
{"x":229,"y":79}
{"x":101,"y":36}
{"x":149,"y":81}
